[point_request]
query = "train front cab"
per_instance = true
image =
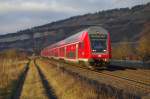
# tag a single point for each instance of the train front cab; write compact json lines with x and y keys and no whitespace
{"x":97,"y":47}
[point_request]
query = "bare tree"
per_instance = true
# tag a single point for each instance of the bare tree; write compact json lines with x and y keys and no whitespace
{"x":123,"y":50}
{"x":144,"y":47}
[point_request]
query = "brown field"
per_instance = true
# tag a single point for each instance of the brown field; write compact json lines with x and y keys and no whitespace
{"x":40,"y":78}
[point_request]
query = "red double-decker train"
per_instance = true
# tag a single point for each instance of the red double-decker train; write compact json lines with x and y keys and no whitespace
{"x":91,"y":46}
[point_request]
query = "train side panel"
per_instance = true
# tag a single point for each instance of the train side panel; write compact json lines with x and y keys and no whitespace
{"x":84,"y":49}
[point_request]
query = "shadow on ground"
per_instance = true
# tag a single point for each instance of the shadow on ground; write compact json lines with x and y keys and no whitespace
{"x":49,"y":91}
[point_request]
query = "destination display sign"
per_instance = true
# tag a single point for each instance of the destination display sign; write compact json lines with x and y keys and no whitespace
{"x":98,"y":35}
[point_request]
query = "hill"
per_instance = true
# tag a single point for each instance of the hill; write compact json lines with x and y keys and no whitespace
{"x":121,"y":23}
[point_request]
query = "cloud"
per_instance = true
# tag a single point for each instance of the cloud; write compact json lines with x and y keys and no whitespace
{"x":75,"y":6}
{"x":22,"y":14}
{"x":15,"y":21}
{"x":35,"y":6}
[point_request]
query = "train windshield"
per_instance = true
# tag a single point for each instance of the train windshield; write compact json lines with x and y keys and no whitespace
{"x":98,"y":42}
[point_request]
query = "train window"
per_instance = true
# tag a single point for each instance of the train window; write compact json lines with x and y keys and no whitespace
{"x":71,"y":54}
{"x":98,"y":43}
{"x":81,"y":45}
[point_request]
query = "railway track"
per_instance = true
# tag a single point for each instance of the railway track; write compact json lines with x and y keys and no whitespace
{"x":135,"y":84}
{"x":135,"y":75}
{"x":121,"y":77}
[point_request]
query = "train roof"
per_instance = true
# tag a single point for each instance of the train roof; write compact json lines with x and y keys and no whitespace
{"x":95,"y":29}
{"x":80,"y":36}
{"x":74,"y":38}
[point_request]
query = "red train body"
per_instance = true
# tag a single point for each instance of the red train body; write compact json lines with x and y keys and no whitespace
{"x":91,"y":46}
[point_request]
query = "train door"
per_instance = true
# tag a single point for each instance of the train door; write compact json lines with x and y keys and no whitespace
{"x":81,"y":50}
{"x":64,"y":51}
{"x":77,"y":46}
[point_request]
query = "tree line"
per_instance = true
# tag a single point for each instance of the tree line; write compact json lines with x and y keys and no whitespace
{"x":138,"y":51}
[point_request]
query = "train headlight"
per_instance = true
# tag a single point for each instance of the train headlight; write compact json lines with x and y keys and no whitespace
{"x":104,"y":50}
{"x":93,"y":50}
{"x":99,"y":55}
{"x":105,"y":59}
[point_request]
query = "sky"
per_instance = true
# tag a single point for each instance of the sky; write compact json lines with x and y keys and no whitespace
{"x":16,"y":15}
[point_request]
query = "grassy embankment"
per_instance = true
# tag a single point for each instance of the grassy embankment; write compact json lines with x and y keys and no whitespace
{"x":67,"y":86}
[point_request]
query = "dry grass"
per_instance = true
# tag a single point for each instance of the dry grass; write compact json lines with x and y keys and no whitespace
{"x":10,"y":71}
{"x":33,"y":88}
{"x":67,"y":86}
{"x":119,"y":85}
{"x":11,"y":67}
